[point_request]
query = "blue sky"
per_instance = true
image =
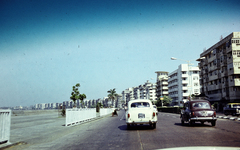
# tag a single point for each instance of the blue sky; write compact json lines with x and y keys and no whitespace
{"x":47,"y":46}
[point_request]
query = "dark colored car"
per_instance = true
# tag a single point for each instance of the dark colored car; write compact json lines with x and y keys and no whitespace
{"x":232,"y":109}
{"x":198,"y":111}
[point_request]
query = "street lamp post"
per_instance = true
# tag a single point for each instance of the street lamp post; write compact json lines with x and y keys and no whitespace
{"x":189,"y":81}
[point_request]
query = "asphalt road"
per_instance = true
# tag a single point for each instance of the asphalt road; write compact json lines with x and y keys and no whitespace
{"x":48,"y":132}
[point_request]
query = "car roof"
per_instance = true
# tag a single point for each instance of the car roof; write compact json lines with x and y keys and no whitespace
{"x":140,"y":100}
{"x":199,"y":100}
{"x":233,"y":104}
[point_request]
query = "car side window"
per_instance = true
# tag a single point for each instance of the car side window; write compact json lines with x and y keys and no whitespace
{"x":186,"y":105}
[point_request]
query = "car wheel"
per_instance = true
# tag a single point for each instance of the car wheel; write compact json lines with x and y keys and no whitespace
{"x":190,"y":123}
{"x":213,"y":123}
{"x":154,"y":125}
{"x":233,"y":114}
{"x":128,"y":126}
{"x":182,"y":122}
{"x":202,"y":122}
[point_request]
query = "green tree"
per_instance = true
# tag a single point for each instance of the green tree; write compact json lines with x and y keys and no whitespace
{"x":100,"y":105}
{"x":75,"y":95}
{"x":165,"y":102}
{"x":112,"y":94}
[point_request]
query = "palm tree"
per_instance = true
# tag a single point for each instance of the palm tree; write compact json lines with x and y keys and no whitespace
{"x":112,"y":94}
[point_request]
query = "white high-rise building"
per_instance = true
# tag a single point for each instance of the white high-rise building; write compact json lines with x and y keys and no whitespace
{"x":182,"y":83}
{"x":162,"y":84}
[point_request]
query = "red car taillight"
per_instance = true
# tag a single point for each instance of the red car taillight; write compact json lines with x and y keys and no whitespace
{"x":214,"y":114}
{"x":154,"y":114}
{"x":128,"y":115}
{"x":193,"y":114}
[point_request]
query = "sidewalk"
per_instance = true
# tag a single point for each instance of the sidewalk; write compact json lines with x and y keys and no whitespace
{"x":28,"y":132}
{"x":220,"y":115}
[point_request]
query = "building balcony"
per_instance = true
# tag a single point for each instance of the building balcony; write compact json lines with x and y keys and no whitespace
{"x":229,"y":49}
{"x":219,"y":86}
{"x":165,"y":88}
{"x":213,"y":77}
{"x":173,"y":95}
{"x":236,"y":70}
{"x":212,"y":58}
{"x":234,"y":82}
{"x":234,"y":95}
{"x":184,"y":81}
{"x":229,"y":59}
{"x":230,"y":71}
{"x":215,"y":97}
{"x":184,"y":75}
{"x":223,"y":63}
{"x":185,"y":94}
{"x":184,"y":88}
{"x":224,"y":73}
{"x":165,"y":92}
{"x":164,"y":83}
{"x":211,"y":87}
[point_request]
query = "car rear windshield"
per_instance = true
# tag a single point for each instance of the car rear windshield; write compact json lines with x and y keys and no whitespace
{"x":200,"y":105}
{"x":140,"y":105}
{"x":236,"y":105}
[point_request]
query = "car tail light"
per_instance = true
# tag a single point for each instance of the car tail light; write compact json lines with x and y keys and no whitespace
{"x":128,"y":115}
{"x":154,"y":114}
{"x":214,"y":114}
{"x":193,"y":114}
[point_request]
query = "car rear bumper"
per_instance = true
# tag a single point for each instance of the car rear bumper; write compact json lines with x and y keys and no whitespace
{"x":141,"y":122}
{"x":203,"y":119}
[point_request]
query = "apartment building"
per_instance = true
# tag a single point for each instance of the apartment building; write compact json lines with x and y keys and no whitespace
{"x":161,"y":84}
{"x":220,"y":70}
{"x":144,"y":91}
{"x":182,"y":83}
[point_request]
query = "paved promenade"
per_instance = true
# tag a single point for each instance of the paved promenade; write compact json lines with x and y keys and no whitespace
{"x":29,"y":131}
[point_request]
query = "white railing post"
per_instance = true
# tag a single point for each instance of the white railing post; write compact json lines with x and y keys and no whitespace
{"x":5,"y":123}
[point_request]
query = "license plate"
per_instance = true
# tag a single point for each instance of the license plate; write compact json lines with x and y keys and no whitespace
{"x":141,"y":115}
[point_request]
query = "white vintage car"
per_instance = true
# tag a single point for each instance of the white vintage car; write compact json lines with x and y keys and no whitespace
{"x":141,"y":111}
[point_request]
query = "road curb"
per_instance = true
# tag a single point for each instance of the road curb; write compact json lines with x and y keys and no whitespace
{"x":230,"y":118}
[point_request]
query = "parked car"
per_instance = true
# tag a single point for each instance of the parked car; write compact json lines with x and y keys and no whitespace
{"x":141,"y":111}
{"x":198,"y":111}
{"x":232,"y":109}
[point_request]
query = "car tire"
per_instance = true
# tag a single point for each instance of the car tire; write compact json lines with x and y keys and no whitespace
{"x":233,"y":114}
{"x":190,"y":123}
{"x":213,"y":123}
{"x":154,"y":125}
{"x":182,"y":122}
{"x":202,"y":122}
{"x":128,"y":126}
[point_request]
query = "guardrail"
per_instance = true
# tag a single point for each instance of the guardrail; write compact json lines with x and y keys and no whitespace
{"x":106,"y":111}
{"x":5,"y":123}
{"x":76,"y":116}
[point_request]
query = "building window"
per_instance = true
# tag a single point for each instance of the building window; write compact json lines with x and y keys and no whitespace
{"x":234,"y":52}
{"x":238,"y":53}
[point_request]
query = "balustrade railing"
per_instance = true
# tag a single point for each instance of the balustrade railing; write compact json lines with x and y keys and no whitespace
{"x":75,"y":116}
{"x":5,"y":123}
